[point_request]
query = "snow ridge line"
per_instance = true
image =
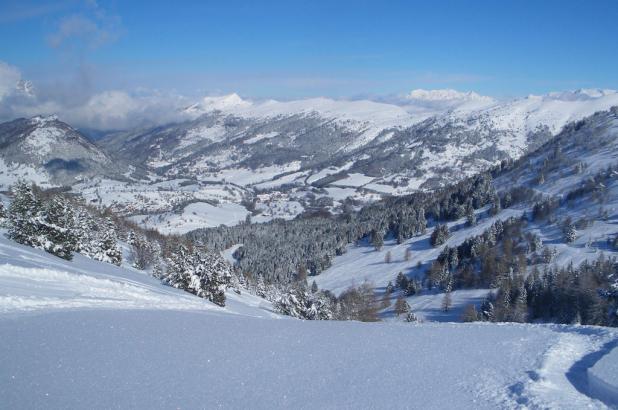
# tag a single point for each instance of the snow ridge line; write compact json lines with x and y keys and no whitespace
{"x":75,"y":290}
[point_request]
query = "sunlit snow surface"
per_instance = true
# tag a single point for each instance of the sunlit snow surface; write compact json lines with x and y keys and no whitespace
{"x":107,"y":337}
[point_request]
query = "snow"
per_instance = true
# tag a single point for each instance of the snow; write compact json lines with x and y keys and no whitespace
{"x":41,"y":139}
{"x":363,"y":263}
{"x":603,"y":376}
{"x":194,"y":216}
{"x":562,"y":376}
{"x":446,"y":95}
{"x":260,"y":137}
{"x":228,"y":254}
{"x":428,"y":306}
{"x":246,"y":176}
{"x":84,"y":334}
{"x":353,"y":180}
{"x":294,"y":177}
{"x":32,"y":280}
{"x":211,"y":133}
{"x":12,"y":172}
{"x":136,"y":359}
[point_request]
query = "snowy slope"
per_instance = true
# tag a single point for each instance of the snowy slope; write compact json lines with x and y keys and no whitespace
{"x":235,"y":148}
{"x":50,"y":152}
{"x":108,"y":337}
{"x":593,"y":144}
{"x":32,"y":280}
{"x":372,"y":149}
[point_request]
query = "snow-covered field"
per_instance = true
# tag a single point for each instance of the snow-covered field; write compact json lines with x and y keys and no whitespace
{"x":85,"y":334}
{"x":194,"y":216}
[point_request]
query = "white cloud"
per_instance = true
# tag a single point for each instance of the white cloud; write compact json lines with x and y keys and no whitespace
{"x":107,"y":110}
{"x":446,"y":95}
{"x":91,"y":28}
{"x":118,"y":109}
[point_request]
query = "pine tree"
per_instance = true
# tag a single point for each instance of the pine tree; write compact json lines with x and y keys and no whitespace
{"x":56,"y":232}
{"x":447,"y":301}
{"x":401,"y":306}
{"x":41,"y":224}
{"x":401,"y":281}
{"x":23,"y":214}
{"x":570,"y":234}
{"x":388,"y":257}
{"x":3,"y":214}
{"x":439,"y":235}
{"x":521,"y":306}
{"x":377,"y":240}
{"x":107,"y":249}
{"x":470,"y":218}
{"x":488,"y":310}
{"x":469,"y":314}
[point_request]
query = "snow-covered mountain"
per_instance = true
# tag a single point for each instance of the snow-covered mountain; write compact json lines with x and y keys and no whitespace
{"x":576,"y":169}
{"x":302,"y":155}
{"x":49,"y":152}
{"x":397,"y":148}
{"x":119,"y":338}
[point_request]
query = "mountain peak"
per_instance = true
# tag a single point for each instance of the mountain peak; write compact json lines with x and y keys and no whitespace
{"x":43,"y":119}
{"x":217,"y":103}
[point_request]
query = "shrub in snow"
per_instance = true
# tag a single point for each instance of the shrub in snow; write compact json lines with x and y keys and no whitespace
{"x":439,"y":235}
{"x":298,"y":303}
{"x":411,"y":317}
{"x":41,"y":224}
{"x":198,"y":271}
{"x":97,"y":237}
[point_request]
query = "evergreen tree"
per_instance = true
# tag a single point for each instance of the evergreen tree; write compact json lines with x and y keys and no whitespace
{"x":41,"y":224}
{"x":408,"y":255}
{"x":570,"y":234}
{"x":470,"y":218}
{"x":439,"y":235}
{"x":388,"y":257}
{"x":447,"y":301}
{"x":377,"y":240}
{"x":401,"y":306}
{"x":23,"y":215}
{"x":401,"y":281}
{"x":470,"y":314}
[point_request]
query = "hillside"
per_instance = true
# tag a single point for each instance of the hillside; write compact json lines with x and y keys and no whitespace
{"x":285,"y":158}
{"x":49,"y":152}
{"x":231,"y":157}
{"x":575,"y":172}
{"x":112,"y":335}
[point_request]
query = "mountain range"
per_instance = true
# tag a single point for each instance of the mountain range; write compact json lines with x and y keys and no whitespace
{"x":290,"y":156}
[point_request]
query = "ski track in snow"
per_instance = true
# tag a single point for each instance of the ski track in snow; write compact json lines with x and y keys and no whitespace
{"x":562,"y":376}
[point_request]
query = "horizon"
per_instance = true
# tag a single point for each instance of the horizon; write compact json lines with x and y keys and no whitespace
{"x":111,"y":58}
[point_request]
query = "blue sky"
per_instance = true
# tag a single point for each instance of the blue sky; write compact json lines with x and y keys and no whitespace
{"x":290,"y":49}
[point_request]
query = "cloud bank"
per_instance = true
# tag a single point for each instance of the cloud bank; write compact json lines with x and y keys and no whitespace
{"x":107,"y":110}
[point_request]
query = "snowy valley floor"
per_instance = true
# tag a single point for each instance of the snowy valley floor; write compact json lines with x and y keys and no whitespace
{"x":84,"y":334}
